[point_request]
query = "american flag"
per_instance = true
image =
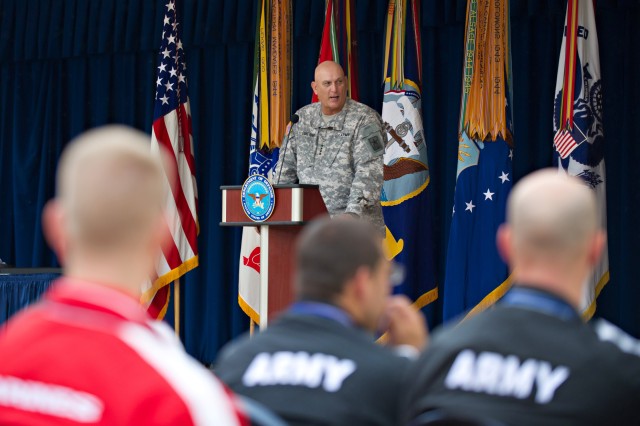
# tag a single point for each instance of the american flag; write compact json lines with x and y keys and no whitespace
{"x":172,"y":132}
{"x":564,"y":143}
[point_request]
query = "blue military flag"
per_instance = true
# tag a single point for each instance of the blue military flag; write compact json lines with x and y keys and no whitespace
{"x":475,"y":275}
{"x":406,"y":195}
{"x":577,"y":122}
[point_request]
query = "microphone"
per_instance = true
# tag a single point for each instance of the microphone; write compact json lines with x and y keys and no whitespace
{"x":294,"y":119}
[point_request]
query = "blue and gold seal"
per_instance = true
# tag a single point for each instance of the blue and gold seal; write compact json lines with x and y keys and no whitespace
{"x":258,"y":198}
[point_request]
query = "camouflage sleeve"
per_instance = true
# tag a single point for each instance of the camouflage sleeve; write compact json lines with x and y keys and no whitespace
{"x":368,"y":163}
{"x":285,"y":170}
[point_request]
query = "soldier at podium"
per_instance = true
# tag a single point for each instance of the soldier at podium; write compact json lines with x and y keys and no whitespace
{"x":336,"y":143}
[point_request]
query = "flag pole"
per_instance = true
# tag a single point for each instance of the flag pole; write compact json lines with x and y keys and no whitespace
{"x":176,"y":306}
{"x":252,"y":327}
{"x":171,"y":131}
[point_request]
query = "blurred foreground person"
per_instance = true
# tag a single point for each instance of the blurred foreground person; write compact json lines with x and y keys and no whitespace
{"x":88,"y":353}
{"x":531,"y":360}
{"x":318,"y":364}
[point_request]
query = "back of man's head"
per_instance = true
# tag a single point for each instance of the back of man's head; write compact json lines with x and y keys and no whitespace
{"x":552,"y":216}
{"x":110,"y":188}
{"x":330,"y":252}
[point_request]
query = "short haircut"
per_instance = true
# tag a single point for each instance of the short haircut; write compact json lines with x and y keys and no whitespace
{"x":111,"y":187}
{"x":329,"y":252}
{"x":552,"y":215}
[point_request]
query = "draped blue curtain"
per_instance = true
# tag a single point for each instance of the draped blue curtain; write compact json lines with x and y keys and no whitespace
{"x":17,"y":291}
{"x":69,"y":65}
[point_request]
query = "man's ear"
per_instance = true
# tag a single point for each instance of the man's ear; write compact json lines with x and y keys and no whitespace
{"x":503,"y":242}
{"x":313,"y":87}
{"x":596,"y":247}
{"x":53,"y":228}
{"x":360,"y":282}
{"x":160,"y":235}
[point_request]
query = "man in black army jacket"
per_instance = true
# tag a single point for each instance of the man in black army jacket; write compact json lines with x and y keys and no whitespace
{"x":318,"y":364}
{"x":532,"y":360}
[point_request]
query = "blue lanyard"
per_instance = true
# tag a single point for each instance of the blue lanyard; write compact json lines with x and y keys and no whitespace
{"x":323,"y":310}
{"x":539,"y":301}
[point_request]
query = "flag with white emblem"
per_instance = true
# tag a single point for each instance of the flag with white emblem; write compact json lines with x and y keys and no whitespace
{"x":171,"y":132}
{"x":260,"y":162}
{"x":577,"y":122}
{"x":475,"y":275}
{"x":270,"y":109}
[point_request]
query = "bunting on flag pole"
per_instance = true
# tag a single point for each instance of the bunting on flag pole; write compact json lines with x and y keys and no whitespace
{"x":475,"y":275}
{"x":348,"y":41}
{"x":171,"y":132}
{"x":406,"y":196}
{"x":263,"y":73}
{"x":270,"y":114}
{"x":280,"y":70}
{"x":339,"y":42}
{"x":577,"y":122}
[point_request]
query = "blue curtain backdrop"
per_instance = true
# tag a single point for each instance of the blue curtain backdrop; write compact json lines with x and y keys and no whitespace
{"x":69,"y":65}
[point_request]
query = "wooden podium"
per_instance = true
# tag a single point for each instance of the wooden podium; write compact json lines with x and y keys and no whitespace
{"x":294,"y":205}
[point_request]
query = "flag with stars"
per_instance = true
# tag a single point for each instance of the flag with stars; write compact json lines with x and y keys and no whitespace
{"x":475,"y":275}
{"x":577,"y":122}
{"x":171,"y":132}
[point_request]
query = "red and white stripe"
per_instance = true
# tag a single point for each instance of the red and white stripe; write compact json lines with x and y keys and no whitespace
{"x":122,"y":369}
{"x":564,"y":143}
{"x":569,"y":48}
{"x":180,"y":253}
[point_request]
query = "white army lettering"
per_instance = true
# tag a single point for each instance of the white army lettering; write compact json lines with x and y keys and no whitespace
{"x":298,"y":369}
{"x":608,"y":332}
{"x":495,"y":374}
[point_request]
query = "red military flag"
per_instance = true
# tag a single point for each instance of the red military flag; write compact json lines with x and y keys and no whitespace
{"x":339,"y":42}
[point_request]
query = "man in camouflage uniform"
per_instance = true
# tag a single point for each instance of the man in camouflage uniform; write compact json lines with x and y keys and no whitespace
{"x":337,"y":144}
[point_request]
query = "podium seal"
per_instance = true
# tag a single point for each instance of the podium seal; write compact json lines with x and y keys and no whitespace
{"x":258,"y":198}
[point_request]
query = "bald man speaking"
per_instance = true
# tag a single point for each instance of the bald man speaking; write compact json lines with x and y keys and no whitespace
{"x":337,"y":144}
{"x":531,"y":360}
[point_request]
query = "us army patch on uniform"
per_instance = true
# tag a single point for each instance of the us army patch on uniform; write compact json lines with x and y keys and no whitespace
{"x":373,"y":137}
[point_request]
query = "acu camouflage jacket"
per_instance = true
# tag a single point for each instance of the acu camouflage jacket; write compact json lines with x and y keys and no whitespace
{"x":342,"y":156}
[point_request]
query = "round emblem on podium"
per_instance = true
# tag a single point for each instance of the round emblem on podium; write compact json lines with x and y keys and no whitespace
{"x":258,"y":198}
